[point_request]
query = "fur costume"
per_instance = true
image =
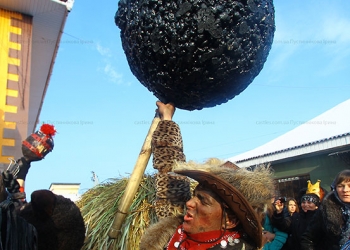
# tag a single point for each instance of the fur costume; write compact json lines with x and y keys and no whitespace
{"x":57,"y":219}
{"x":167,"y":148}
{"x":256,"y":187}
{"x":158,"y":235}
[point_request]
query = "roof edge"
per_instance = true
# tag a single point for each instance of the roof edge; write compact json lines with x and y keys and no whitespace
{"x":68,"y":3}
{"x":306,"y":148}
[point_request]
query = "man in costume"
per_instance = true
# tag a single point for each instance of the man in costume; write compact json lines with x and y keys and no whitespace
{"x":227,"y":206}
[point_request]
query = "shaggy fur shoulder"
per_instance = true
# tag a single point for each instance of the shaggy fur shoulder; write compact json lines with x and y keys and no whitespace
{"x":63,"y":230}
{"x":159,"y":234}
{"x":332,"y":214}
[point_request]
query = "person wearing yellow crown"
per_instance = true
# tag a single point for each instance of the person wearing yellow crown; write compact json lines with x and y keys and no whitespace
{"x":296,"y":224}
{"x":330,"y":227}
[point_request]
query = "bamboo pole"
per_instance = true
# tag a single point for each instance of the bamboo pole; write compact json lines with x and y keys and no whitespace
{"x":134,"y":182}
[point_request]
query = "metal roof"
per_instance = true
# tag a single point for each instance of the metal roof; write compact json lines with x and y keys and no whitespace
{"x":326,"y":132}
{"x":49,"y":17}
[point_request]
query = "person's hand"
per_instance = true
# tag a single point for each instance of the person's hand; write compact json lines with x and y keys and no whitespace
{"x":165,"y":111}
{"x":279,"y":206}
{"x":10,"y":182}
{"x":268,"y":236}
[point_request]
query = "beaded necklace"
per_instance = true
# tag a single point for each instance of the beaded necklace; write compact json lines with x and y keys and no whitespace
{"x":180,"y":240}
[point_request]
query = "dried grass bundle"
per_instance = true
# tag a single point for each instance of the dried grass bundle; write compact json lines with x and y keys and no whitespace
{"x":99,"y":205}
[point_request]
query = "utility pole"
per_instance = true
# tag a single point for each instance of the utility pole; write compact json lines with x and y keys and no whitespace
{"x":94,"y":178}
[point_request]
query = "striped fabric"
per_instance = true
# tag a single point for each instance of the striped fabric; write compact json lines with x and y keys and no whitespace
{"x":346,"y":246}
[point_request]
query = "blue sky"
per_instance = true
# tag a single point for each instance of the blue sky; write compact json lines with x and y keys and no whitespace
{"x":102,"y":113}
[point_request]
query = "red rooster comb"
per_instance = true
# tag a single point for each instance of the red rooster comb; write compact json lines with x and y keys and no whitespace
{"x":48,"y":129}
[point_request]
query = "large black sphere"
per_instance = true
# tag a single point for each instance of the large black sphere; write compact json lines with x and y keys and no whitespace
{"x":196,"y":53}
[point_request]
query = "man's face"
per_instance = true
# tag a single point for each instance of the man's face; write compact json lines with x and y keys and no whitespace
{"x":204,"y":212}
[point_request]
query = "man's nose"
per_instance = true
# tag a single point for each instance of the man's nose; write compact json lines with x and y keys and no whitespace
{"x":191,"y":202}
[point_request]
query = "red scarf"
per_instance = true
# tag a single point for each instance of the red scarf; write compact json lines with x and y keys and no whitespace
{"x":201,"y":241}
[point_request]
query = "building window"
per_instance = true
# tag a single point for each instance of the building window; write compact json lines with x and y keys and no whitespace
{"x":291,"y":186}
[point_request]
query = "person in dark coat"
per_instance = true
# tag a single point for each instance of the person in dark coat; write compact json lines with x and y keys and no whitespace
{"x":47,"y":222}
{"x":57,"y":219}
{"x":296,"y":224}
{"x":330,"y":228}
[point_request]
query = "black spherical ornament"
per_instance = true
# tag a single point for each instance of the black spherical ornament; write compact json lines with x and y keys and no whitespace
{"x":196,"y":53}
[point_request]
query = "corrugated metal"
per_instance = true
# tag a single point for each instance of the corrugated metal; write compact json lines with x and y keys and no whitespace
{"x":297,"y":151}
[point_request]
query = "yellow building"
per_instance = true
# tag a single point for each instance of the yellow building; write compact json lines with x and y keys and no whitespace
{"x":30,"y":33}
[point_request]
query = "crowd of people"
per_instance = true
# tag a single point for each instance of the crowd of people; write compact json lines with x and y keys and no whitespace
{"x":319,"y":220}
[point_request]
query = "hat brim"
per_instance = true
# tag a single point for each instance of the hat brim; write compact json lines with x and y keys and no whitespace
{"x":233,"y":198}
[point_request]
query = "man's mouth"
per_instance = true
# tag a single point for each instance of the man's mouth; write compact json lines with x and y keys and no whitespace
{"x":188,"y":216}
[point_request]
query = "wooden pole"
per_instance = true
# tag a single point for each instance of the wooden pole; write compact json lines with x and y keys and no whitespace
{"x":134,"y":182}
